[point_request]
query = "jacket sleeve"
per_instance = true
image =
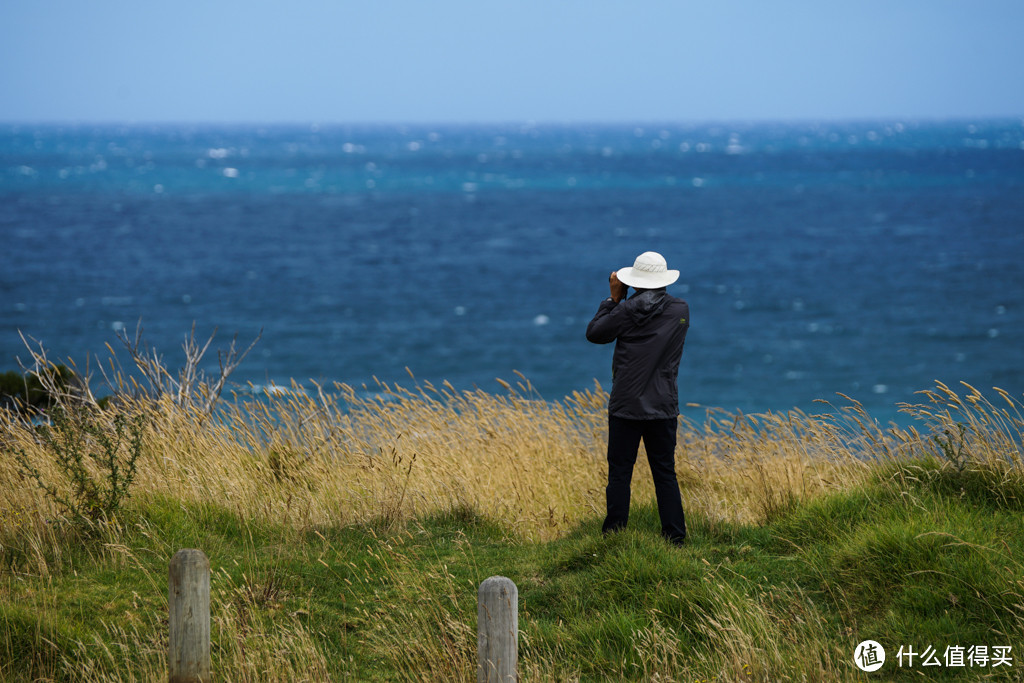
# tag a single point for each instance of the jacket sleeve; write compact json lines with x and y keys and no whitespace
{"x":608,"y":322}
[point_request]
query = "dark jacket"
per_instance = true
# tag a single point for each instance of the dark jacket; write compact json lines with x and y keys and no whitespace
{"x":648,"y":329}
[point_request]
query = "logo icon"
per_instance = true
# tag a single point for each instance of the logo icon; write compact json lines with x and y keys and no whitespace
{"x":869,"y":655}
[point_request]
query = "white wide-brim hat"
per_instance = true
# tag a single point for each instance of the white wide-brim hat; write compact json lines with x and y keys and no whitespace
{"x":649,"y":271}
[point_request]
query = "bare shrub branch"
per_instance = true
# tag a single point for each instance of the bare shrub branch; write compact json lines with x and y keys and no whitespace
{"x":148,"y":375}
{"x":64,"y":390}
{"x":192,"y":388}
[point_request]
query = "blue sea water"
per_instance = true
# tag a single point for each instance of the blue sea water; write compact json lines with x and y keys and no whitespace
{"x":867,"y":258}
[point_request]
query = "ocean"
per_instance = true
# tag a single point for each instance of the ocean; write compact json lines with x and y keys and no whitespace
{"x":864,"y":258}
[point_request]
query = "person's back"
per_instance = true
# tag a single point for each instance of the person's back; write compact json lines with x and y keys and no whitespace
{"x":649,"y":331}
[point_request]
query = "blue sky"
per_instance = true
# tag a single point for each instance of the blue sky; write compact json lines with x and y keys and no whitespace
{"x":529,"y":60}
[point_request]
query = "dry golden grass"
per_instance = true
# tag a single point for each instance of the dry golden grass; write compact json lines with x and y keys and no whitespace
{"x":309,"y":458}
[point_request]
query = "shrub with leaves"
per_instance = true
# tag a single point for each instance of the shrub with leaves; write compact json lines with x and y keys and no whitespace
{"x":96,"y":462}
{"x":952,"y":446}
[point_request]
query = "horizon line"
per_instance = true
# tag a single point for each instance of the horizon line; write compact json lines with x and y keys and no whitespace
{"x":528,"y":123}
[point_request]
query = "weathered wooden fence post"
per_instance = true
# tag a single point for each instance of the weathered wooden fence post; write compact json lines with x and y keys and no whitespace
{"x":188,"y":655}
{"x":497,"y":631}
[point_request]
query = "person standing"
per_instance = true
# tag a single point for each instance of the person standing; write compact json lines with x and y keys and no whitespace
{"x":649,"y":329}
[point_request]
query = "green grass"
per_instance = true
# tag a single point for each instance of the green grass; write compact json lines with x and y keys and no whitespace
{"x":920,"y":555}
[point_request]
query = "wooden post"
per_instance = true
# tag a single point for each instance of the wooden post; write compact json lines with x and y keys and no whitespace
{"x":497,"y":631}
{"x":188,"y":655}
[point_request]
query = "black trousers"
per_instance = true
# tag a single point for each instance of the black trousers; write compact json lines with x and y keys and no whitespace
{"x":659,"y":438}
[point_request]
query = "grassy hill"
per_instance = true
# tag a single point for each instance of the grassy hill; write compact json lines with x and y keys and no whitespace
{"x":348,"y":530}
